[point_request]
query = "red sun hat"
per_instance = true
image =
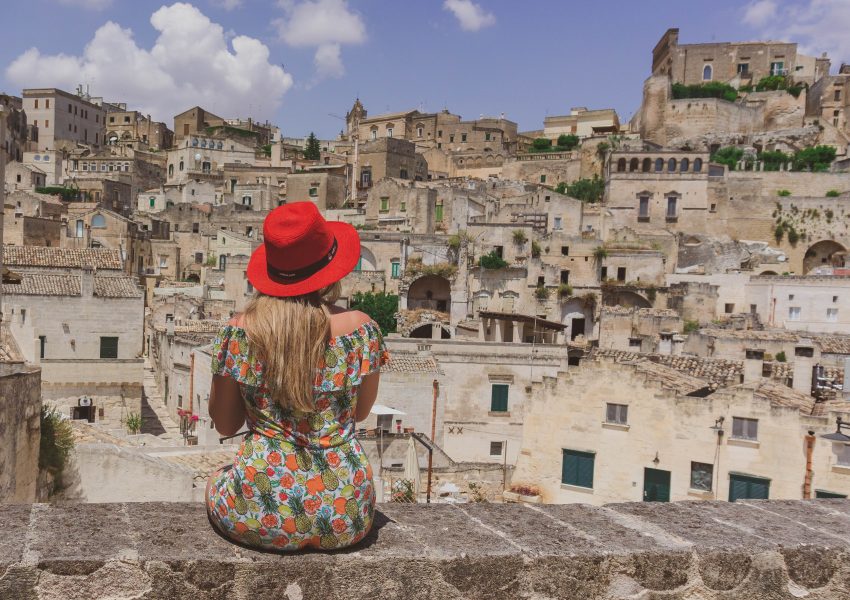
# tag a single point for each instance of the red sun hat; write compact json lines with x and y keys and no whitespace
{"x":301,"y":252}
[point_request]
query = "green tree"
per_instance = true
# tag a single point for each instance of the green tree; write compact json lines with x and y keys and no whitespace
{"x":816,"y":158}
{"x":541,"y":145}
{"x":492,"y":261}
{"x":313,"y":151}
{"x":381,"y":306}
{"x":715,"y":89}
{"x":729,"y":156}
{"x":586,"y":190}
{"x":567,"y":141}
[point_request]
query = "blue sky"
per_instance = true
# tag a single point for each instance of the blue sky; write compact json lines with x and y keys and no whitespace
{"x":297,"y":62}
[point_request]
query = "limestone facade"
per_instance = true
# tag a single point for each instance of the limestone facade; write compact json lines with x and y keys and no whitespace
{"x":64,"y":120}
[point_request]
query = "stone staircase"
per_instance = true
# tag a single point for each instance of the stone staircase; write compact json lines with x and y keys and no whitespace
{"x":155,"y":418}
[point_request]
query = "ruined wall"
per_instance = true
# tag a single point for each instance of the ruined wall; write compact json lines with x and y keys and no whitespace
{"x":20,"y":410}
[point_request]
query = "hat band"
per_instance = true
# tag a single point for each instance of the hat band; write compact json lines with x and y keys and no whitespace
{"x":303,"y":272}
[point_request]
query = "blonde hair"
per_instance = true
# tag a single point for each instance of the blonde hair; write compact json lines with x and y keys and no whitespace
{"x":290,"y":336}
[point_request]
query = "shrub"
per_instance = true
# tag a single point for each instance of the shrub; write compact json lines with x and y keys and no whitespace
{"x":567,"y":141}
{"x":774,"y":159}
{"x":133,"y":423}
{"x":267,"y":149}
{"x":536,"y":250}
{"x":600,"y":252}
{"x":565,"y":290}
{"x":783,"y":193}
{"x":57,"y":441}
{"x":691,"y":326}
{"x":780,"y":356}
{"x":212,"y":260}
{"x":829,"y":215}
{"x":793,"y":236}
{"x":729,"y":156}
{"x":541,"y":293}
{"x":714,"y":89}
{"x":492,"y":261}
{"x":382,"y":307}
{"x":67,"y":194}
{"x":779,"y":233}
{"x":778,"y":82}
{"x":816,"y":158}
{"x":519,"y":236}
{"x":832,"y":194}
{"x":586,"y":190}
{"x":541,"y":145}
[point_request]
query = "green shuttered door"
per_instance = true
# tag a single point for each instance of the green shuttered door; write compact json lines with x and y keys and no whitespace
{"x":577,"y":468}
{"x":499,"y":398}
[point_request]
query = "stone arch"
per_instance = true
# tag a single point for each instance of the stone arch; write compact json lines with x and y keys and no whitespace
{"x":707,"y":73}
{"x":823,"y":254}
{"x":634,"y":164}
{"x":621,"y":165}
{"x":368,"y":262}
{"x":671,"y":165}
{"x":768,"y":272}
{"x":685,"y":164}
{"x":647,"y":165}
{"x":193,"y":277}
{"x":626,"y":298}
{"x":426,"y":331}
{"x":697,"y":165}
{"x":430,"y":292}
{"x":659,"y":164}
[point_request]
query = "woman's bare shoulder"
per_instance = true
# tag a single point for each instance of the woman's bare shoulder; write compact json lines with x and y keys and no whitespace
{"x":237,"y":320}
{"x":346,"y":321}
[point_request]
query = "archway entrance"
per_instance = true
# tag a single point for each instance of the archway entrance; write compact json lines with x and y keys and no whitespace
{"x":430,"y":292}
{"x":826,"y":253}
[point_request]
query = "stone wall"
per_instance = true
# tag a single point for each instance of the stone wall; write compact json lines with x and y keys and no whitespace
{"x":20,"y":409}
{"x":747,"y":550}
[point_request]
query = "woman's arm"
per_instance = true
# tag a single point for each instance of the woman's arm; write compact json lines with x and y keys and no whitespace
{"x":366,"y":396}
{"x":226,"y":407}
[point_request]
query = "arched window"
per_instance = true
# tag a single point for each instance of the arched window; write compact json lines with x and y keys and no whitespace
{"x":647,"y":165}
{"x":706,"y":73}
{"x":697,"y":165}
{"x":181,"y":164}
{"x":684,"y":165}
{"x":171,"y":170}
{"x":633,"y":164}
{"x":373,"y":133}
{"x":98,"y":222}
{"x":621,"y":165}
{"x":659,"y":164}
{"x":671,"y":165}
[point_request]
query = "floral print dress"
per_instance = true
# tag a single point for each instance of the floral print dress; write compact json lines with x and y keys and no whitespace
{"x":299,"y":479}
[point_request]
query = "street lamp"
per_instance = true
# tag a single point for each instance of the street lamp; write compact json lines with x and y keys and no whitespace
{"x":838,"y":436}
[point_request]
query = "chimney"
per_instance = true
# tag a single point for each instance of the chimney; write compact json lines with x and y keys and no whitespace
{"x":753,"y":365}
{"x":169,"y":324}
{"x":678,"y":344}
{"x":665,"y":343}
{"x":803,"y":364}
{"x":87,"y":282}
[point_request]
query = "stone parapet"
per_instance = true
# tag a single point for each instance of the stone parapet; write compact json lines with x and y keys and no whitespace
{"x":745,"y":550}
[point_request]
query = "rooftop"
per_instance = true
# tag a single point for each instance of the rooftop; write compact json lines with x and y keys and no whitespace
{"x":410,"y":362}
{"x":716,"y":371}
{"x":42,"y":256}
{"x":48,"y":284}
{"x":746,"y":549}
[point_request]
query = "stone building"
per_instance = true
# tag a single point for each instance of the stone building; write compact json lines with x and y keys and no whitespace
{"x":828,"y":101}
{"x":132,"y":129}
{"x":388,"y":157}
{"x":581,"y":122}
{"x":77,"y":316}
{"x":20,"y":176}
{"x":64,"y":120}
{"x":610,"y":431}
{"x":402,"y":206}
{"x":739,"y":63}
{"x":34,"y":220}
{"x":325,"y":189}
{"x":194,"y":121}
{"x":18,"y":132}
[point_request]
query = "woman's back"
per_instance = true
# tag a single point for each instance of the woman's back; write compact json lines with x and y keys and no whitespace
{"x":300,"y":477}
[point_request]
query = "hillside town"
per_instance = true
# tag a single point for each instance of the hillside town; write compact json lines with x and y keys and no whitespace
{"x":594,"y":311}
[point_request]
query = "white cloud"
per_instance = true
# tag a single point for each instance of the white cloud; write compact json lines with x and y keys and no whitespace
{"x":470,"y":15}
{"x":324,"y":24}
{"x":89,"y":4}
{"x":760,"y":13}
{"x":816,"y":25}
{"x":190,"y":63}
{"x":229,"y":4}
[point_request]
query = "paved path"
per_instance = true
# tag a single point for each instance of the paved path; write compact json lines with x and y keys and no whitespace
{"x":155,"y":418}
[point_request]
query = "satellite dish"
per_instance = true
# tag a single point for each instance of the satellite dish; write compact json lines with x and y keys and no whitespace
{"x":198,"y":156}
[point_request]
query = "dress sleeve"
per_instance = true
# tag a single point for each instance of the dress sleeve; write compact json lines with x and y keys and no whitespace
{"x":375,"y":354}
{"x":227,"y":355}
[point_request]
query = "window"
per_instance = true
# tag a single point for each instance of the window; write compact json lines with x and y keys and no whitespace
{"x":366,"y":178}
{"x":684,"y":165}
{"x":745,"y":429}
{"x":35,"y":123}
{"x":462,"y":137}
{"x":621,"y":273}
{"x":199,"y":257}
{"x":389,"y":132}
{"x":152,"y":201}
{"x":790,"y":296}
{"x":702,"y":476}
{"x":451,"y":139}
{"x":36,"y":103}
{"x":439,"y":212}
{"x":495,"y":448}
{"x":181,"y":164}
{"x":577,"y":468}
{"x":313,"y":192}
{"x":671,"y":165}
{"x":499,"y":397}
{"x":743,"y":487}
{"x":743,"y":68}
{"x":617,"y":413}
{"x":565,"y":276}
{"x":419,"y":131}
{"x":542,"y":179}
{"x":111,"y":119}
{"x":373,"y":134}
{"x":565,"y":250}
{"x":825,"y":494}
{"x":643,"y":208}
{"x":659,"y":164}
{"x":395,"y":269}
{"x":196,"y":227}
{"x":403,"y":173}
{"x":206,"y":167}
{"x":728,"y":308}
{"x":777,"y":68}
{"x":603,"y":273}
{"x":440,"y":133}
{"x":837,"y":95}
{"x":163,"y":262}
{"x":832,"y":315}
{"x":706,"y":73}
{"x":635,"y":343}
{"x":697,"y":165}
{"x":671,"y":207}
{"x":98,"y":222}
{"x":402,"y":206}
{"x":541,"y":281}
{"x":109,"y":347}
{"x":793,"y":313}
{"x":42,"y":342}
{"x":487,"y":135}
{"x":557,"y":222}
{"x":385,"y":203}
{"x":171,"y":170}
{"x":179,"y":400}
{"x":835,"y":298}
{"x":80,"y":229}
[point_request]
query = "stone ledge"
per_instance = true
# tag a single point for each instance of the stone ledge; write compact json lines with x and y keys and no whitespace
{"x":746,"y":550}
